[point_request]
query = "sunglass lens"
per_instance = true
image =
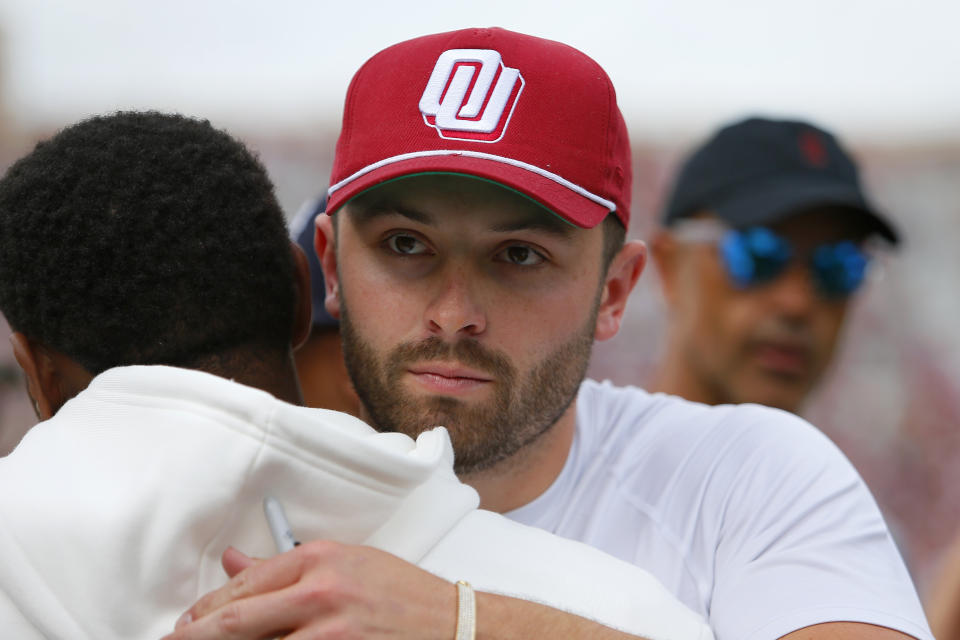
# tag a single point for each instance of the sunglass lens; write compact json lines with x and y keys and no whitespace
{"x":737,"y":259}
{"x":839,"y":269}
{"x":753,"y":256}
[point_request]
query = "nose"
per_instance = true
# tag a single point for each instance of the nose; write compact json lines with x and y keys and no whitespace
{"x":794,"y":293}
{"x":455,"y":311}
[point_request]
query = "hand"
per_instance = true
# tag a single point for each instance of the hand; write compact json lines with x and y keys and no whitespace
{"x":322,"y":590}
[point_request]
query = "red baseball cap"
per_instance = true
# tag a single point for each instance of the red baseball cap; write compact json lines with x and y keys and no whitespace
{"x":534,"y":115}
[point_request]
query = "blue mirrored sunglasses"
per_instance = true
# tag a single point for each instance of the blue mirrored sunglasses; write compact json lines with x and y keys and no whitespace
{"x":757,"y":255}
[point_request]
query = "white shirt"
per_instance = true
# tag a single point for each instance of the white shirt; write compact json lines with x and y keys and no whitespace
{"x":114,"y":513}
{"x":750,"y":515}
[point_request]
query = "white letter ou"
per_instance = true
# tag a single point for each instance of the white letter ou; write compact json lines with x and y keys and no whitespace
{"x":451,"y":112}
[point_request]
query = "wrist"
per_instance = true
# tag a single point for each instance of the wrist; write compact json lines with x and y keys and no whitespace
{"x":466,"y":612}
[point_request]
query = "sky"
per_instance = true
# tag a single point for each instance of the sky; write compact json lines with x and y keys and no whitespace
{"x":875,"y":70}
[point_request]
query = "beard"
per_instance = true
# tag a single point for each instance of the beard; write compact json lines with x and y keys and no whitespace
{"x":524,"y":406}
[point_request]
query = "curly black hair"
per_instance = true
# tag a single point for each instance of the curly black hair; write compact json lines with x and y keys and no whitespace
{"x":144,"y":238}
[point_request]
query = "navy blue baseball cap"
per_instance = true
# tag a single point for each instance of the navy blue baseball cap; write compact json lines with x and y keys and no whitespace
{"x":759,"y":171}
{"x":301,"y":231}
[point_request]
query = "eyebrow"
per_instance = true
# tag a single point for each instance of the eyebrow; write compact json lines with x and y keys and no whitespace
{"x":367,"y":212}
{"x":547,"y":222}
{"x":544,"y":220}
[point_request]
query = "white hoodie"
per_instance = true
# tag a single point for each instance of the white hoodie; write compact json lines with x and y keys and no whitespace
{"x":114,"y":513}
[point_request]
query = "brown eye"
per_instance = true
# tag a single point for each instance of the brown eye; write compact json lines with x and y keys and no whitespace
{"x":521,"y":255}
{"x":406,"y":245}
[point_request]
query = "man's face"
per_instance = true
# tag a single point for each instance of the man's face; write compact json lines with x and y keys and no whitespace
{"x":465,"y":305}
{"x":769,"y":343}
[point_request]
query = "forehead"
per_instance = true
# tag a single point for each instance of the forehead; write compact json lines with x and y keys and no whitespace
{"x":441,"y":199}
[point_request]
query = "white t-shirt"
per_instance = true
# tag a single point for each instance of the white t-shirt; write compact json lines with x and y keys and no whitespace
{"x":750,"y":515}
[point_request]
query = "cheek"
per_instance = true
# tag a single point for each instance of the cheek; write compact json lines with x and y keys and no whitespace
{"x":531,"y":324}
{"x":380,"y":313}
{"x":826,"y":327}
{"x":716,"y":317}
{"x":741,"y":314}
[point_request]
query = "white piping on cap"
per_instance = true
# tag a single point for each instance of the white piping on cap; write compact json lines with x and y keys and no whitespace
{"x":482,"y":156}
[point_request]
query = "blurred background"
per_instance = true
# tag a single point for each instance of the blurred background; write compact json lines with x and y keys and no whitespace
{"x":882,"y":75}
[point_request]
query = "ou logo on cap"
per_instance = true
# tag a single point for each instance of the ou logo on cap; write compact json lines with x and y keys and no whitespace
{"x":471,"y":95}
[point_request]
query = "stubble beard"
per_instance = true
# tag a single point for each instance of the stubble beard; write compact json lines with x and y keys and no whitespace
{"x":522,"y":409}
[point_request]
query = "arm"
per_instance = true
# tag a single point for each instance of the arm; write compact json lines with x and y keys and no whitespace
{"x":845,"y":631}
{"x":360,"y":592}
{"x":943,"y":605}
{"x":500,"y":617}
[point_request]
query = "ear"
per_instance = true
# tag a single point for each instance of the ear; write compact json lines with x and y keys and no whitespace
{"x":324,"y":242}
{"x":663,"y":251}
{"x":40,"y":370}
{"x":303,"y":312}
{"x":622,"y":276}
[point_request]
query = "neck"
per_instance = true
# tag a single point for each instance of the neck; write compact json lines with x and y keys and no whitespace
{"x":524,"y":476}
{"x":281,"y":384}
{"x":274,"y":373}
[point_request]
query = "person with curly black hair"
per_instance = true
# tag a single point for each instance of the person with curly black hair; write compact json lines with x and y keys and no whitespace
{"x":126,"y":240}
{"x":155,"y":299}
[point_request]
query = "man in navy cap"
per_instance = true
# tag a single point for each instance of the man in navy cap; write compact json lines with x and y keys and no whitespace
{"x":764,"y":244}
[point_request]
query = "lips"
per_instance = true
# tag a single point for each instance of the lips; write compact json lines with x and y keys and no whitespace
{"x":448,"y":379}
{"x":783,"y":358}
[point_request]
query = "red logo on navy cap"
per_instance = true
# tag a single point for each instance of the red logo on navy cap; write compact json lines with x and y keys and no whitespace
{"x":813,"y":149}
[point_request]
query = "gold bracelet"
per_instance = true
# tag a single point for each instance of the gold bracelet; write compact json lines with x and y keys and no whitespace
{"x":466,"y":612}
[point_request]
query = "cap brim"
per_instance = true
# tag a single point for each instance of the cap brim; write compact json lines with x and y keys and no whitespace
{"x":555,"y":196}
{"x":767,"y":204}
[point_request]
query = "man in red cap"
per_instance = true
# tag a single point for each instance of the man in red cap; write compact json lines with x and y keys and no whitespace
{"x":473,"y":251}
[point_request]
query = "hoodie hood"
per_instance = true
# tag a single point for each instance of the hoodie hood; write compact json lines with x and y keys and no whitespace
{"x":158,"y":470}
{"x":114,"y":513}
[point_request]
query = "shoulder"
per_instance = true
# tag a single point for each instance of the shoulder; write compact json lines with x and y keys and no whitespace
{"x":672,"y":458}
{"x":776,"y":526}
{"x":627,"y":422}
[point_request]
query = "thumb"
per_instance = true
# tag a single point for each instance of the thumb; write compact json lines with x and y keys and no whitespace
{"x":235,"y":561}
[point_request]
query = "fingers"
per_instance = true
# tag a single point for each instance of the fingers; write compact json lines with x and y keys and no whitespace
{"x":256,"y":618}
{"x":235,"y":561}
{"x":257,"y":578}
{"x":322,"y":589}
